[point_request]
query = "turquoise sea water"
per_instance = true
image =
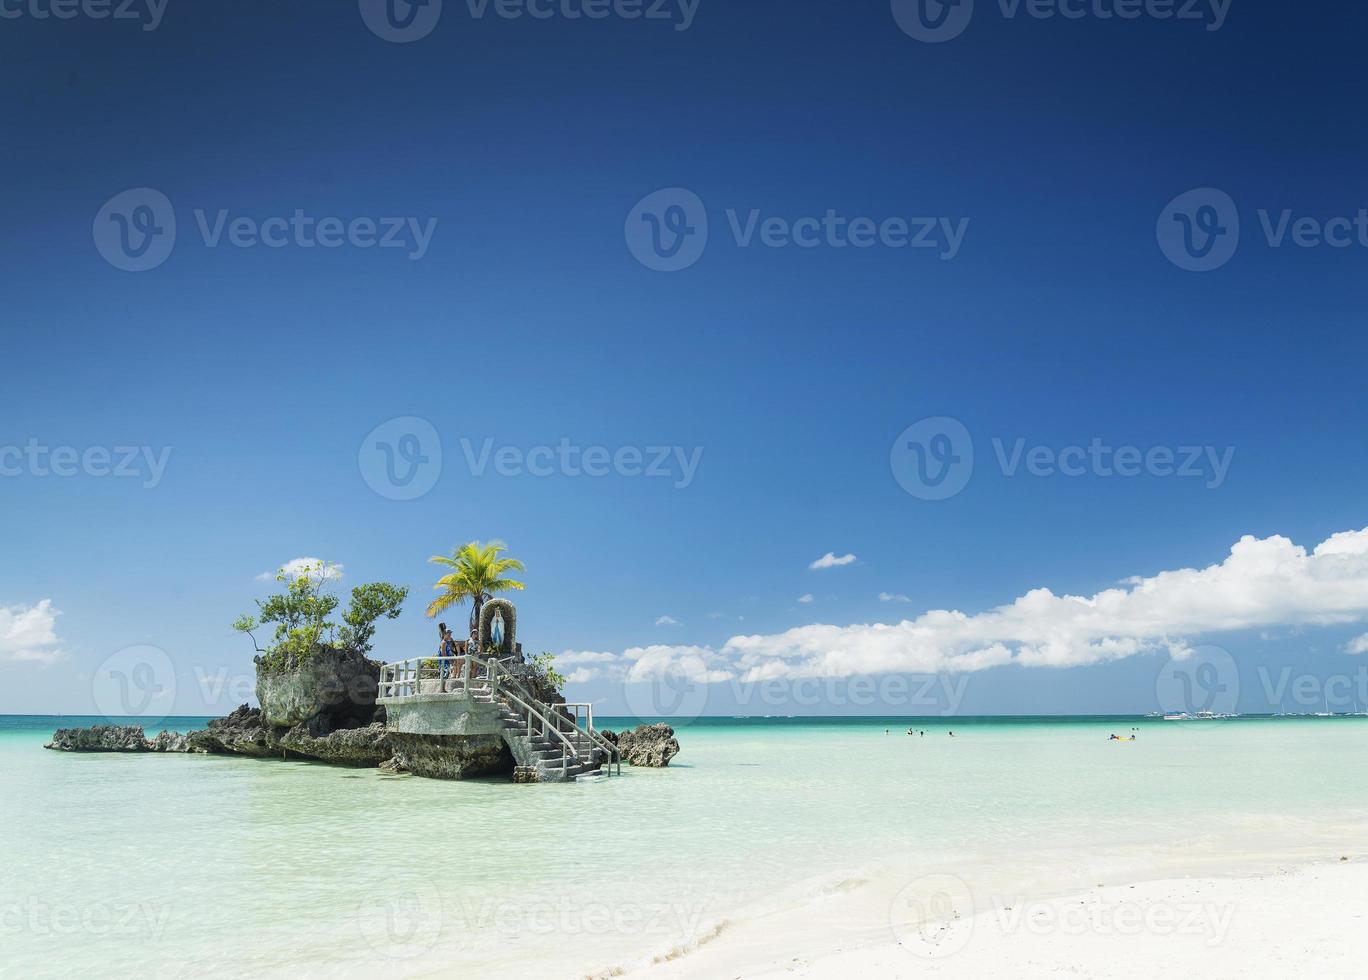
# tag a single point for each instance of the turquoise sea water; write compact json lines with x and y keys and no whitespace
{"x":174,"y":865}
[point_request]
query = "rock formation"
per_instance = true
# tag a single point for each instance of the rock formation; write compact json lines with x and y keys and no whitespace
{"x":646,"y":745}
{"x":323,"y":707}
{"x":118,"y":738}
{"x":240,"y":733}
{"x":331,"y":688}
{"x":452,"y":756}
{"x":101,"y":738}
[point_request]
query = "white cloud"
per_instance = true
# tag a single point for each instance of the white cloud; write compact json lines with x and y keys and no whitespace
{"x":584,"y":657}
{"x":29,"y":633}
{"x":667,"y":621}
{"x":831,"y":560}
{"x":1263,"y":582}
{"x":698,"y":664}
{"x":296,"y":567}
{"x":580,"y":675}
{"x":893,"y":597}
{"x":805,"y":598}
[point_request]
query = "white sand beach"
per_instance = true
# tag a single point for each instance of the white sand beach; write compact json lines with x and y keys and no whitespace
{"x":1307,"y":921}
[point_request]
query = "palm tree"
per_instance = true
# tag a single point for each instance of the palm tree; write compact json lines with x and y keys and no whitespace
{"x":477,"y":573}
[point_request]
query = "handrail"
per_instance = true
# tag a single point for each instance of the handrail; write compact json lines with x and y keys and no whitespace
{"x":565,"y":742}
{"x":611,"y":750}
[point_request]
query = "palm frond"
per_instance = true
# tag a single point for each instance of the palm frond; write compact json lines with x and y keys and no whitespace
{"x":442,"y":602}
{"x":477,"y":572}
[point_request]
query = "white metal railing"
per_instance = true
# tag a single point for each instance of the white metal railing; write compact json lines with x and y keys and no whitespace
{"x":405,"y":678}
{"x":576,"y":708}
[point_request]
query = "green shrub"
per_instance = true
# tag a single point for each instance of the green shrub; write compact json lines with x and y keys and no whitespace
{"x":301,"y":614}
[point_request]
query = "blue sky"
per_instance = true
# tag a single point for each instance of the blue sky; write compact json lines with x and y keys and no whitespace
{"x":523,"y":146}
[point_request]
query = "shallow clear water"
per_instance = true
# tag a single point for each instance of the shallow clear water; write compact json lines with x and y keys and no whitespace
{"x":171,"y":865}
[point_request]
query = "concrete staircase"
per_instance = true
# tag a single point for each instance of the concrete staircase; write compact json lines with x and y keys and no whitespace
{"x":555,"y":757}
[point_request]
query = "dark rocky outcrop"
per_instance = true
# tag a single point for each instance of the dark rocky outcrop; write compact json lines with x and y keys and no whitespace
{"x":241,"y":733}
{"x":646,"y":745}
{"x":452,"y":756}
{"x":118,"y":738}
{"x":367,"y":746}
{"x":171,"y":742}
{"x":101,"y":738}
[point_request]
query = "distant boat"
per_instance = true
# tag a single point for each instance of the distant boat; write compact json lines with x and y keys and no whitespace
{"x":1200,"y":716}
